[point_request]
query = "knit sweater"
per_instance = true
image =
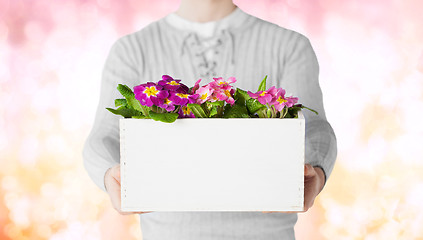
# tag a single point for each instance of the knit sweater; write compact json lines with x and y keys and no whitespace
{"x":248,"y":51}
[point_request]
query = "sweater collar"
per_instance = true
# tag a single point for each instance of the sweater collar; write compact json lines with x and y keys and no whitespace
{"x":208,"y":29}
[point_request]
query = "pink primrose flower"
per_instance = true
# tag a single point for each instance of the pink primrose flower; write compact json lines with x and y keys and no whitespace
{"x":280,"y":101}
{"x":291,"y":101}
{"x":224,"y":93}
{"x":204,"y":94}
{"x":264,"y":97}
{"x":220,"y":82}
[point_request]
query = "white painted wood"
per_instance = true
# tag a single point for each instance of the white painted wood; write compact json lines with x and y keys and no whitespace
{"x":212,"y":165}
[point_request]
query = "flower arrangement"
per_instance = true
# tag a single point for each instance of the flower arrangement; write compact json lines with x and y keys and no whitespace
{"x":169,"y":99}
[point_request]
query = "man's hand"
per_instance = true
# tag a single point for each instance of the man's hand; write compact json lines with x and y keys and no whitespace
{"x":314,"y":179}
{"x":112,"y":183}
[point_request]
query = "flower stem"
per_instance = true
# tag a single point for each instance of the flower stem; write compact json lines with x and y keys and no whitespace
{"x":262,"y":113}
{"x":177,"y":109}
{"x":285,"y":111}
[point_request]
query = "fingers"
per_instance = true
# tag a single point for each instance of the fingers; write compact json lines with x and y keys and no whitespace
{"x":309,"y":170}
{"x":115,"y":172}
{"x":113,"y":189}
{"x":114,"y":193}
{"x":309,"y":174}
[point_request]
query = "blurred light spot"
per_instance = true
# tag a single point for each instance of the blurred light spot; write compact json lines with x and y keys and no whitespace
{"x":34,"y":32}
{"x":420,"y":62}
{"x":10,"y":199}
{"x":12,"y":231}
{"x":70,"y":119}
{"x":43,"y":231}
{"x":44,"y":98}
{"x":61,"y":212}
{"x":294,"y":3}
{"x":55,"y":144}
{"x":104,"y":3}
{"x":28,"y":152}
{"x":9,"y":183}
{"x":20,"y":212}
{"x":4,"y":31}
{"x":49,"y":190}
{"x":5,"y":75}
{"x":415,"y":196}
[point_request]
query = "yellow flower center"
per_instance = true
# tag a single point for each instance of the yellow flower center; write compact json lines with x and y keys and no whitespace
{"x":173,"y":83}
{"x":228,"y":93}
{"x":151,"y":91}
{"x":262,"y":94}
{"x":281,"y":100}
{"x":186,"y":110}
{"x":167,"y":101}
{"x":204,"y":96}
{"x":181,"y":95}
{"x":221,"y":83}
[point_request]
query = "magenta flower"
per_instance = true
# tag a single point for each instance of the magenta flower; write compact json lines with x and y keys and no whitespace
{"x":167,"y":77}
{"x":183,"y":98}
{"x":196,"y":86}
{"x":167,"y":104}
{"x":150,"y":94}
{"x":171,"y":84}
{"x":264,"y":97}
{"x":185,"y":112}
{"x":280,"y":101}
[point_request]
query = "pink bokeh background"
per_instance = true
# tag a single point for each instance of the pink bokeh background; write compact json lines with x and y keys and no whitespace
{"x":371,"y":73}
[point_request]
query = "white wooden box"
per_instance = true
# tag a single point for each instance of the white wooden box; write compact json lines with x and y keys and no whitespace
{"x":212,"y":164}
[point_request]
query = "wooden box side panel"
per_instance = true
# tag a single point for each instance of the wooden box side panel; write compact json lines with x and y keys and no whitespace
{"x":212,"y":165}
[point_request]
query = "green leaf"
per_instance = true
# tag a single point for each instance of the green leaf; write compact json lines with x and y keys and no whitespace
{"x":262,"y":86}
{"x":238,"y":110}
{"x":145,"y":110}
{"x":241,"y":94}
{"x":125,"y":91}
{"x":288,"y":115}
{"x":164,"y":117}
{"x":131,"y":100}
{"x":254,"y":106}
{"x":269,"y":113}
{"x":217,"y":103}
{"x":125,"y":112}
{"x":134,"y":103}
{"x":262,"y":113}
{"x":213,"y":111}
{"x":310,"y":109}
{"x":120,"y":102}
{"x":197,"y":110}
{"x":293,"y":112}
{"x":139,"y":117}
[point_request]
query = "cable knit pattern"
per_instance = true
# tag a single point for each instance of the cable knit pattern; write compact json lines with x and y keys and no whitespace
{"x":249,"y":52}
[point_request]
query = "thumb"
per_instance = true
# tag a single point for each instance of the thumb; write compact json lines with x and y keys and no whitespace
{"x":308,"y":170}
{"x":116,"y":173}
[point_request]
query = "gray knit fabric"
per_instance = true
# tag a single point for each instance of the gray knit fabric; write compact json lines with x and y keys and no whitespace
{"x":249,"y":52}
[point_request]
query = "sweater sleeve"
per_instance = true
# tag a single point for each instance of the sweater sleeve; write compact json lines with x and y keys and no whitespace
{"x":102,"y":150}
{"x":301,"y":79}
